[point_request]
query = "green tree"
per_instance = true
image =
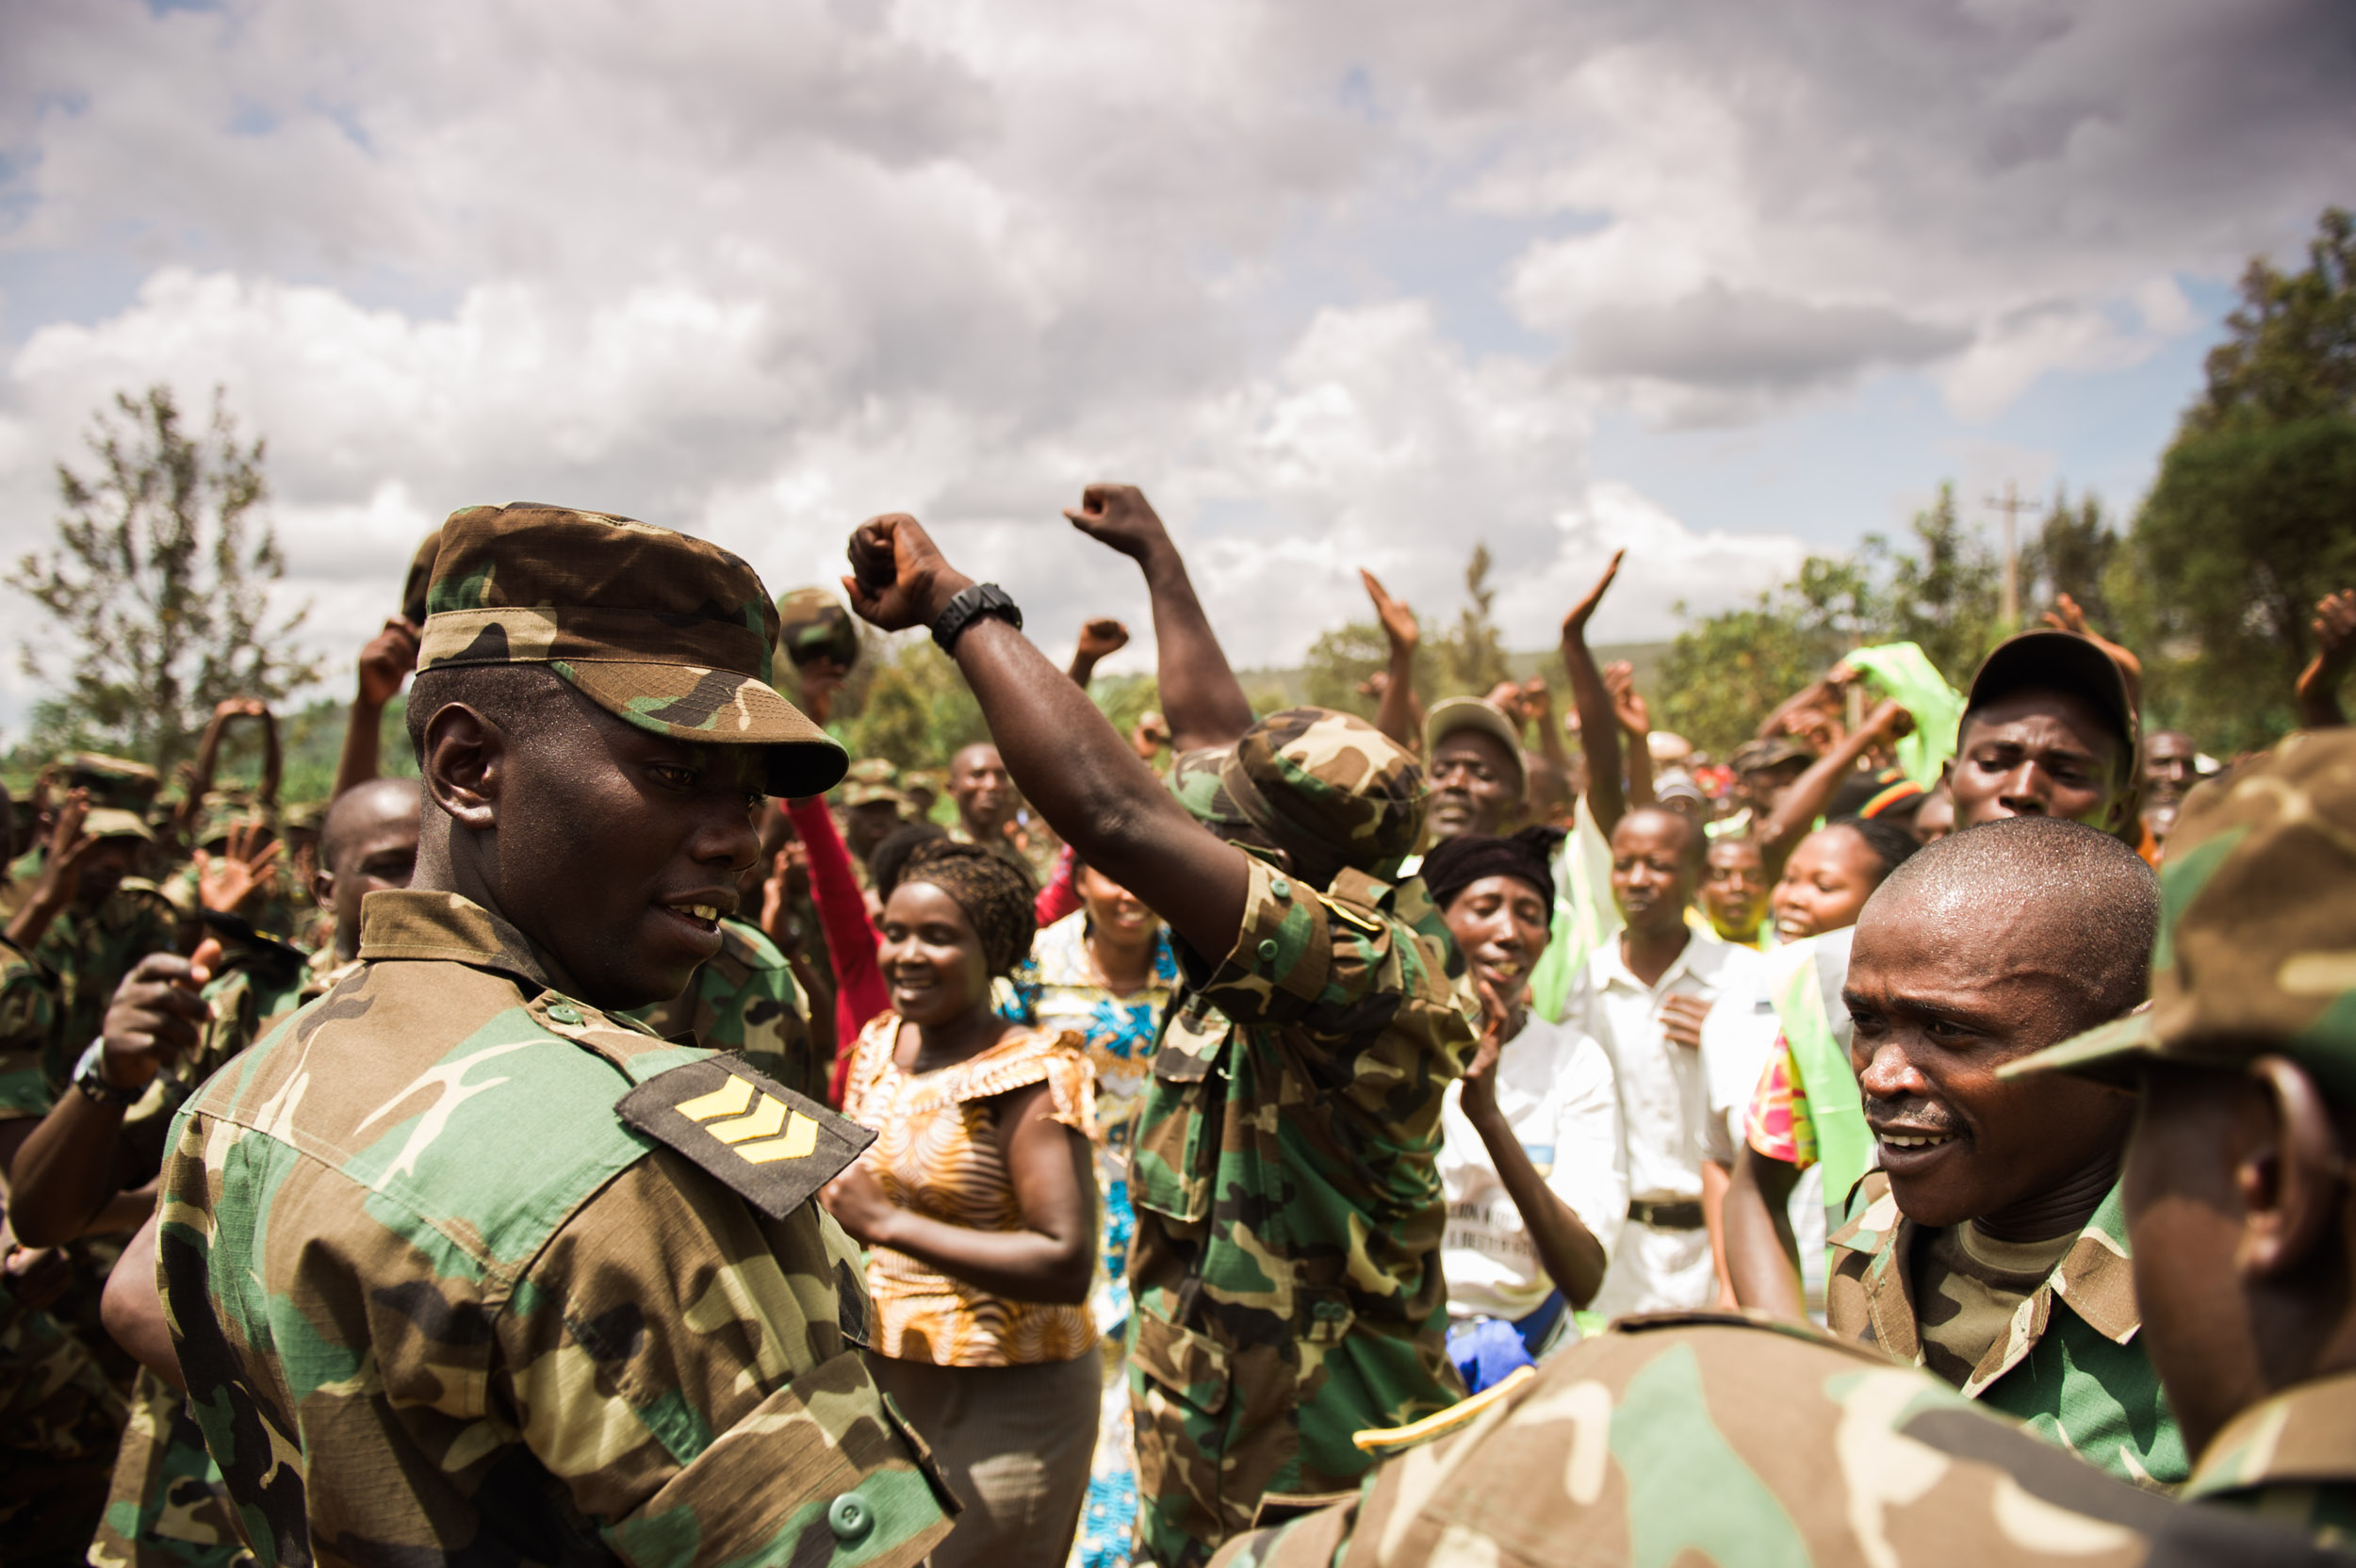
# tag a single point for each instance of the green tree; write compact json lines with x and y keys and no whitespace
{"x":2071,"y":554}
{"x":160,"y":587}
{"x":2254,"y":517}
{"x":1724,"y":673}
{"x":1945,"y":594}
{"x":918,"y":710}
{"x":1472,"y":657}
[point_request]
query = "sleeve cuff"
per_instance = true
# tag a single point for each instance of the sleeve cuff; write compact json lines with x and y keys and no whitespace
{"x":823,"y":1471}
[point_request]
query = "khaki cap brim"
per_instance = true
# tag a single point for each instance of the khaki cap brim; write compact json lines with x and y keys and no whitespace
{"x":1451,"y":715}
{"x":716,"y":707}
{"x":108,"y":822}
{"x":2108,"y":1052}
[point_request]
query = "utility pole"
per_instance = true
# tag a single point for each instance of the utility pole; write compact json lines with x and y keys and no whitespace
{"x":2011,"y":505}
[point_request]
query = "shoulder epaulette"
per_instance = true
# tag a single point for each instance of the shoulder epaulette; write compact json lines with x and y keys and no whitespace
{"x":771,"y":1146}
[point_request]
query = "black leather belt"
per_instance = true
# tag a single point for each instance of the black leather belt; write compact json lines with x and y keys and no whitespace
{"x":1683,"y":1214}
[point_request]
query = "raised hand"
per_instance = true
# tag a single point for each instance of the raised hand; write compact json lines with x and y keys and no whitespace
{"x":1150,"y":737}
{"x":1574,"y":624}
{"x":2335,"y":646}
{"x":899,"y":579}
{"x":69,"y":851}
{"x":1119,"y":515}
{"x":1399,"y":622}
{"x":244,"y":870}
{"x":388,"y":660}
{"x":1102,"y":637}
{"x":1620,"y":680}
{"x":2067,"y":617}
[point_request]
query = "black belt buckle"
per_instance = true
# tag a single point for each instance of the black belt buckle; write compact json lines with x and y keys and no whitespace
{"x":1680,"y":1214}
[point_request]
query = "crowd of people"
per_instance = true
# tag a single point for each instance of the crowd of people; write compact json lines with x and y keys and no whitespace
{"x":652,"y":1135}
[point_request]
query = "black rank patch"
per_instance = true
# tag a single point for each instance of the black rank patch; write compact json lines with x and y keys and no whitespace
{"x":771,"y":1146}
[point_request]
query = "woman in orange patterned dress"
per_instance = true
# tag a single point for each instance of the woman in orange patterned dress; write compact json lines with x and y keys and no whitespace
{"x":978,"y":1204}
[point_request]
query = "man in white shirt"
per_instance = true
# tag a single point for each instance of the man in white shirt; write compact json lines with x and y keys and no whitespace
{"x":1644,"y":997}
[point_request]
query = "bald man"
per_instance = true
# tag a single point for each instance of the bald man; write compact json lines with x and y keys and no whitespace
{"x":986,"y":802}
{"x":368,"y":842}
{"x":1990,"y":1246}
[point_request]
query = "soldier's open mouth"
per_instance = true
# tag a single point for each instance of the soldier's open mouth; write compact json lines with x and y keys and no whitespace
{"x":702,"y":916}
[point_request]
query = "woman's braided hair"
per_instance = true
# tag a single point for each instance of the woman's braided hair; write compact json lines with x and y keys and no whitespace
{"x":995,"y":894}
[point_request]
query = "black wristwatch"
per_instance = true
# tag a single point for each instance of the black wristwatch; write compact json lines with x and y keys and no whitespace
{"x":982,"y":598}
{"x":90,"y":1076}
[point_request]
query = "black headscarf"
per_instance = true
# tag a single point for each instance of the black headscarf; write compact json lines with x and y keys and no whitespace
{"x":1455,"y":864}
{"x":995,"y":896}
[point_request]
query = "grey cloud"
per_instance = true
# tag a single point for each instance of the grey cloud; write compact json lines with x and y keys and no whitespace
{"x":1728,"y":339}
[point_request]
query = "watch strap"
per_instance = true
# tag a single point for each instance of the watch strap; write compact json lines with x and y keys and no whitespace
{"x":90,"y":1076}
{"x":971,"y":604}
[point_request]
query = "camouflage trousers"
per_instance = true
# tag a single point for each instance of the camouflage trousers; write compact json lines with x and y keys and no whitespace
{"x":1215,"y":1427}
{"x":59,"y":1419}
{"x":167,"y":1507}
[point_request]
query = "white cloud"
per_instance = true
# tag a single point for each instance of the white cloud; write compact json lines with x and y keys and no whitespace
{"x":762,"y":269}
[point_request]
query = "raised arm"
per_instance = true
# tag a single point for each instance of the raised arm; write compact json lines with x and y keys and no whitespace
{"x":384,"y":663}
{"x":2067,"y":617}
{"x":273,"y":755}
{"x":2336,"y":649}
{"x":1635,"y":721}
{"x":1599,"y":723}
{"x":200,"y":774}
{"x":1400,"y":715}
{"x":1201,"y":697}
{"x":1063,"y":756}
{"x":1099,"y":640}
{"x":1796,"y":812}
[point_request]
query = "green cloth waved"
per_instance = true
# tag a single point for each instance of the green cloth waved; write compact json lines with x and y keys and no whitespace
{"x":1903,"y":671}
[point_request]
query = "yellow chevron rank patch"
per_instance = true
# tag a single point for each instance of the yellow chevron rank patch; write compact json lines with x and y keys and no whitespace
{"x":771,"y":1146}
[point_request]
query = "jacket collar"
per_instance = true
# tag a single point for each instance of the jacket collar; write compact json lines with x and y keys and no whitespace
{"x":398,"y":923}
{"x":2305,"y":1435}
{"x":2095,"y":1279}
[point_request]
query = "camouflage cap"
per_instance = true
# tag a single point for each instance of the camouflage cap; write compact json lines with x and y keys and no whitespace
{"x":420,"y":577}
{"x":667,"y":633}
{"x":921,"y":781}
{"x":812,"y":624}
{"x":305,"y":816}
{"x":2257,"y":946}
{"x":1314,"y":776}
{"x":870,"y":781}
{"x":225,"y":811}
{"x":113,"y":781}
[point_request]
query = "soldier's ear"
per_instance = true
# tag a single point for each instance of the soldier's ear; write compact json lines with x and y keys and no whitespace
{"x":2291,"y":1175}
{"x":465,"y":765}
{"x":323,"y":887}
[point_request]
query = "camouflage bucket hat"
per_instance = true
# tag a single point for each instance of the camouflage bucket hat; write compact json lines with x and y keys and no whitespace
{"x":112,"y":822}
{"x":2257,"y":947}
{"x":665,"y":631}
{"x":1331,"y":779}
{"x":812,"y":624}
{"x":420,"y":577}
{"x":1196,"y":779}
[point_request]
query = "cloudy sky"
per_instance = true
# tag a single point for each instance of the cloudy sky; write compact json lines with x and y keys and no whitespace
{"x":1340,"y":283}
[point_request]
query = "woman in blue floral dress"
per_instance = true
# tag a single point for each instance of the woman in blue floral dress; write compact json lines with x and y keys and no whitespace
{"x":1107,"y":972}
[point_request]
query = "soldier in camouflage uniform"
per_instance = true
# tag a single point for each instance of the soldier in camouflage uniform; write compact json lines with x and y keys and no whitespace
{"x":115,"y":917}
{"x":462,"y":1263}
{"x":58,"y":1421}
{"x":167,"y":1504}
{"x":1710,"y":1441}
{"x":2238,"y":1191}
{"x":1991,"y":1245}
{"x":1285,"y":1272}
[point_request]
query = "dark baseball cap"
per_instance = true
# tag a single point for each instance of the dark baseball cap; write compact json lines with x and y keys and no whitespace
{"x":2056,"y":662}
